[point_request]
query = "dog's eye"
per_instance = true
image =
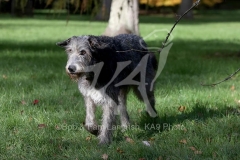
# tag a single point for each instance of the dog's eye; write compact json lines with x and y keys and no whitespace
{"x":82,"y":52}
{"x":69,"y":50}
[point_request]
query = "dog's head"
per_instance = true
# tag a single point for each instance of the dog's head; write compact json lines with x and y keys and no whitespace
{"x":81,"y":51}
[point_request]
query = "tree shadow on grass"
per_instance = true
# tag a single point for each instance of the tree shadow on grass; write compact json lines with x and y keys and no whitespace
{"x":189,"y":46}
{"x":36,"y":46}
{"x":198,"y":47}
{"x":207,"y":48}
{"x":39,"y":57}
{"x":200,"y":17}
{"x":200,"y":113}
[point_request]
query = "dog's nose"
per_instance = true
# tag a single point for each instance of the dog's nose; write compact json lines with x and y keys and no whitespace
{"x":72,"y":68}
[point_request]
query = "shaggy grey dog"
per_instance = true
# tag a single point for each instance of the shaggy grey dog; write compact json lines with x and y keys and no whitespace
{"x":105,"y":69}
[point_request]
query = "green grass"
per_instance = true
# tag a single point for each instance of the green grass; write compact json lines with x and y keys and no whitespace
{"x":32,"y":67}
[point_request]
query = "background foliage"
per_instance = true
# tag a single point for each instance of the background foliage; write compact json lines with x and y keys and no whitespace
{"x":94,"y":6}
{"x":41,"y":109}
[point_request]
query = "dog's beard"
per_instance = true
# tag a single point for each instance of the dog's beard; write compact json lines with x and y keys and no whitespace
{"x":74,"y":76}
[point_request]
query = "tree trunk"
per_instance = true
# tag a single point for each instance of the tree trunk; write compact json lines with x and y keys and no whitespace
{"x":28,"y":11}
{"x":13,"y":7}
{"x":16,"y":9}
{"x":184,"y":6}
{"x":123,"y":18}
{"x":104,"y":12}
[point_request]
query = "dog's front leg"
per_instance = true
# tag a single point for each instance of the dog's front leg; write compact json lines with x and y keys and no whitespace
{"x":90,"y":122}
{"x":108,"y":119}
{"x":123,"y":110}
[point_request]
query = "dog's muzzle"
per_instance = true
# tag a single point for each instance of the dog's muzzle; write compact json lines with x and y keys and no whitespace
{"x":72,"y":72}
{"x":72,"y":69}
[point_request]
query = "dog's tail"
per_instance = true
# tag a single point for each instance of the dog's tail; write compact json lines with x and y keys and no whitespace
{"x":153,"y":60}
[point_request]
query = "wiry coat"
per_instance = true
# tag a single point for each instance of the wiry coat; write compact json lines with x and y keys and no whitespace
{"x":100,"y":64}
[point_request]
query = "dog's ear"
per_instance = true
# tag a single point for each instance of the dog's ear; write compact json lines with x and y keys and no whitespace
{"x":96,"y":43}
{"x":63,"y":43}
{"x":93,"y":42}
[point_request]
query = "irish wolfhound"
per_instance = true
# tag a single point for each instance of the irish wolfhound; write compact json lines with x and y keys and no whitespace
{"x":105,"y":69}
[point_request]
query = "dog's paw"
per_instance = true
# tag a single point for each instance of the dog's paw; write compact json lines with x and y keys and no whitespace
{"x":104,"y":142}
{"x":93,"y":129}
{"x":147,"y":115}
{"x":104,"y":139}
{"x":125,"y":126}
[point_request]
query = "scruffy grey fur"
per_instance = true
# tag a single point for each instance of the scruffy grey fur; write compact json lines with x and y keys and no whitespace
{"x":100,"y":56}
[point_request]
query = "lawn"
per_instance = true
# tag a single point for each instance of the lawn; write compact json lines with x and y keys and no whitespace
{"x":41,"y":109}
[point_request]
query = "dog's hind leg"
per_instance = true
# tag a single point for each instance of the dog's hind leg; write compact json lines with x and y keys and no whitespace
{"x":151,"y":105}
{"x":108,"y":119}
{"x":90,"y":123}
{"x":122,"y":109}
{"x":148,"y":99}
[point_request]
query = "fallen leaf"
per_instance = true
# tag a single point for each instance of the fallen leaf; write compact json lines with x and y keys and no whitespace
{"x":60,"y":147}
{"x":237,"y":101}
{"x":88,"y":138}
{"x":23,"y":102}
{"x":181,"y":108}
{"x":35,"y":102}
{"x":40,"y":126}
{"x":232,"y":88}
{"x":151,"y":139}
{"x":185,"y":130}
{"x":146,"y":143}
{"x":140,"y":111}
{"x":9,"y":148}
{"x":104,"y":156}
{"x":208,"y":140}
{"x":4,"y":76}
{"x":193,"y":148}
{"x":197,"y":152}
{"x":160,"y":158}
{"x":214,"y":154}
{"x":15,"y":131}
{"x":120,"y":151}
{"x":183,"y":141}
{"x":129,"y":140}
{"x":57,"y":127}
